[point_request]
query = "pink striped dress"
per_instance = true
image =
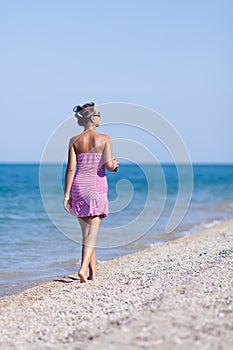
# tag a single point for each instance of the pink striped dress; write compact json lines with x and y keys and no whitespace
{"x":89,"y":188}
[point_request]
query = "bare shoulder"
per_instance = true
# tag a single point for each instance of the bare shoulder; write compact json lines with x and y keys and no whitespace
{"x":74,"y":139}
{"x":105,"y":137}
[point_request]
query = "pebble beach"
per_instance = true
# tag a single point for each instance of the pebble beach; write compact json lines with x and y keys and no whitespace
{"x":177,"y":295}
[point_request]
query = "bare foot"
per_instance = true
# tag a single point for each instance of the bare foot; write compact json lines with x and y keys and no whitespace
{"x":91,"y":278}
{"x":92,"y":275}
{"x":82,"y":277}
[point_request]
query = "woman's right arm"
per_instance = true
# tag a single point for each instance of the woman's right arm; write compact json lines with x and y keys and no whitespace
{"x":110,"y":163}
{"x":70,"y":171}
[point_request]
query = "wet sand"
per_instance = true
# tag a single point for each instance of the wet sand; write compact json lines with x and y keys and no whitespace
{"x":178,"y":295}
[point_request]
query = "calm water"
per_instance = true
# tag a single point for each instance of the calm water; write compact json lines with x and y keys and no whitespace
{"x":34,"y":249}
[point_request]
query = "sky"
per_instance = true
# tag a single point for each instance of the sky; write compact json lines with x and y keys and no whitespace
{"x":172,"y":56}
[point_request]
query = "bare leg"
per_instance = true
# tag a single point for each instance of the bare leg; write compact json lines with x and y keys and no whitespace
{"x":92,"y":265}
{"x":85,"y":228}
{"x":90,"y":227}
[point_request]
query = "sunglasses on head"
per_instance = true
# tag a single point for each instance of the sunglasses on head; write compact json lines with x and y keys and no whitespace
{"x":76,"y":109}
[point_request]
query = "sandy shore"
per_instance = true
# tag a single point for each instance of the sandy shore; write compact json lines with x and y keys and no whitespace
{"x":178,"y":295}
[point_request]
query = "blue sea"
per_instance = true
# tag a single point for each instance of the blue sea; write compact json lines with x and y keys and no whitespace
{"x":39,"y":241}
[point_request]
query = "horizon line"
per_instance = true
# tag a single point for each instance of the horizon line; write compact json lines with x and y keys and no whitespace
{"x":123,"y":163}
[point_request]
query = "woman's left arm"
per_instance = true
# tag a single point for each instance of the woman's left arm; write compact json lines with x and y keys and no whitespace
{"x":70,"y":171}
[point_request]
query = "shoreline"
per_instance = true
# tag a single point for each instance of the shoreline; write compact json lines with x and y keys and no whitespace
{"x":176,"y":295}
{"x":9,"y":290}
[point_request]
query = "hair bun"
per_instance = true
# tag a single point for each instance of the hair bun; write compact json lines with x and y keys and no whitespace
{"x":76,"y":109}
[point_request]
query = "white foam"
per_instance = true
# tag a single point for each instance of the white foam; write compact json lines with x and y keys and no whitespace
{"x":211,"y":224}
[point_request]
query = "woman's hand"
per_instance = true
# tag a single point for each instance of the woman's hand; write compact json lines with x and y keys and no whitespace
{"x":66,"y":204}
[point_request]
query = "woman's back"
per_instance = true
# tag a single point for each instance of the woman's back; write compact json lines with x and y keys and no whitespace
{"x":90,"y":141}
